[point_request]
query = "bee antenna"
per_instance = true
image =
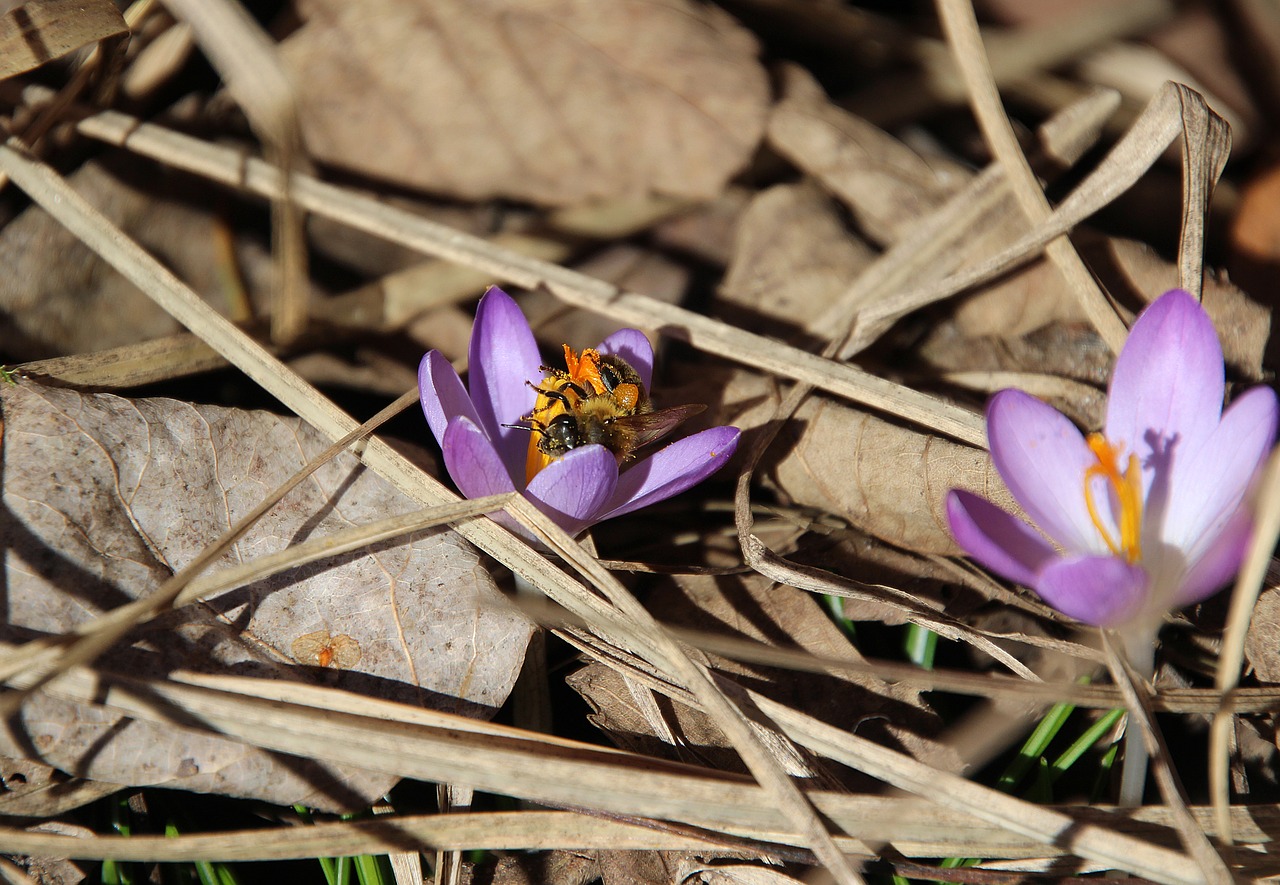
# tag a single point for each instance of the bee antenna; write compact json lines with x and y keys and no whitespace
{"x":522,"y":427}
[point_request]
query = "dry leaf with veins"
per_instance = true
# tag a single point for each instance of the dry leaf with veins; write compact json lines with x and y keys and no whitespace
{"x":106,"y":497}
{"x":551,"y":101}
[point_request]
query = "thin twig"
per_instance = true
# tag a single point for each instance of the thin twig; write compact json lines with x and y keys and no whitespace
{"x":961,"y":27}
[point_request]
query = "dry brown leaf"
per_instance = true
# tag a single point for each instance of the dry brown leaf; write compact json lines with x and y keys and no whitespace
{"x":552,"y":101}
{"x":59,"y":297}
{"x":106,"y":497}
{"x":706,"y":232}
{"x":1134,"y":273}
{"x":1262,"y":642}
{"x":792,"y":258}
{"x":885,"y":479}
{"x":1055,"y":351}
{"x":642,"y":867}
{"x":886,"y":184}
{"x":735,"y":874}
{"x":42,"y":30}
{"x":33,"y":789}
{"x":1201,"y":43}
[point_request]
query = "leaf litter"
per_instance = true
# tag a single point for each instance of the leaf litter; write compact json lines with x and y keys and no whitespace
{"x":529,"y":101}
{"x":105,"y":497}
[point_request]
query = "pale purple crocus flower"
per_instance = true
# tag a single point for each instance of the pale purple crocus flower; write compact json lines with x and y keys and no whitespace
{"x":1149,"y":516}
{"x":485,"y":456}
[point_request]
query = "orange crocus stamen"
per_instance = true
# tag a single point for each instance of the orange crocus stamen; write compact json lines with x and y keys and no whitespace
{"x":1127,"y":487}
{"x":584,"y":368}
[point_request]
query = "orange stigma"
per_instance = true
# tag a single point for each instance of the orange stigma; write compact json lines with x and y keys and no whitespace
{"x":1128,"y":491}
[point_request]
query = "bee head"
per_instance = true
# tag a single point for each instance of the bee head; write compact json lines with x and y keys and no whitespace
{"x":560,"y":435}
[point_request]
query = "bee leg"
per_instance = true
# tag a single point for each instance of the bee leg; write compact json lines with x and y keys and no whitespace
{"x":558,"y":395}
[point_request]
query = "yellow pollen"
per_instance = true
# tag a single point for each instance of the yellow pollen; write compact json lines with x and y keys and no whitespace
{"x":1128,"y":491}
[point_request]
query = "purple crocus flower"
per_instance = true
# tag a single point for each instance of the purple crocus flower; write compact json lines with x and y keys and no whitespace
{"x":486,"y":456}
{"x":1150,"y":515}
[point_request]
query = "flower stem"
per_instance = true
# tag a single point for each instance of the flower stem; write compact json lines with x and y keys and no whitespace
{"x":1140,"y":650}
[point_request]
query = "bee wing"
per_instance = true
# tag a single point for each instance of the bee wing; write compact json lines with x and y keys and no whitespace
{"x":650,"y":426}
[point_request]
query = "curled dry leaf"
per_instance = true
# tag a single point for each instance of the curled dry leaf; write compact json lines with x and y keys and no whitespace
{"x":1071,"y":354}
{"x":885,"y":479}
{"x":551,"y":101}
{"x":106,"y":497}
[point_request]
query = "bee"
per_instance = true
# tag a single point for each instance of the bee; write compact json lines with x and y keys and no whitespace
{"x":598,"y":399}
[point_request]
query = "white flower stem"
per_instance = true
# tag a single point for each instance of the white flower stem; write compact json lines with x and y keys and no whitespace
{"x":1140,"y":649}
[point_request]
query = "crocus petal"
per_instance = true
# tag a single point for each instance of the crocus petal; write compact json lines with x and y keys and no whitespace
{"x":1168,"y":382}
{"x":442,"y":394}
{"x":472,"y":461}
{"x":1101,"y":590}
{"x":574,"y":489}
{"x":503,"y":362}
{"x":1209,"y":485}
{"x":634,"y":347}
{"x":996,"y":539}
{"x":1042,"y":458}
{"x":1218,"y":561}
{"x":672,"y":469}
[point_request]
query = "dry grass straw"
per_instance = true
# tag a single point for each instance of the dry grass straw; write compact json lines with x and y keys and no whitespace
{"x":1140,"y":716}
{"x":665,"y":653}
{"x":245,"y":57}
{"x":52,"y":192}
{"x":961,"y":28}
{"x":40,"y":32}
{"x":1231,"y":656}
{"x":700,"y":806}
{"x":364,"y":213}
{"x":363,"y":731}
